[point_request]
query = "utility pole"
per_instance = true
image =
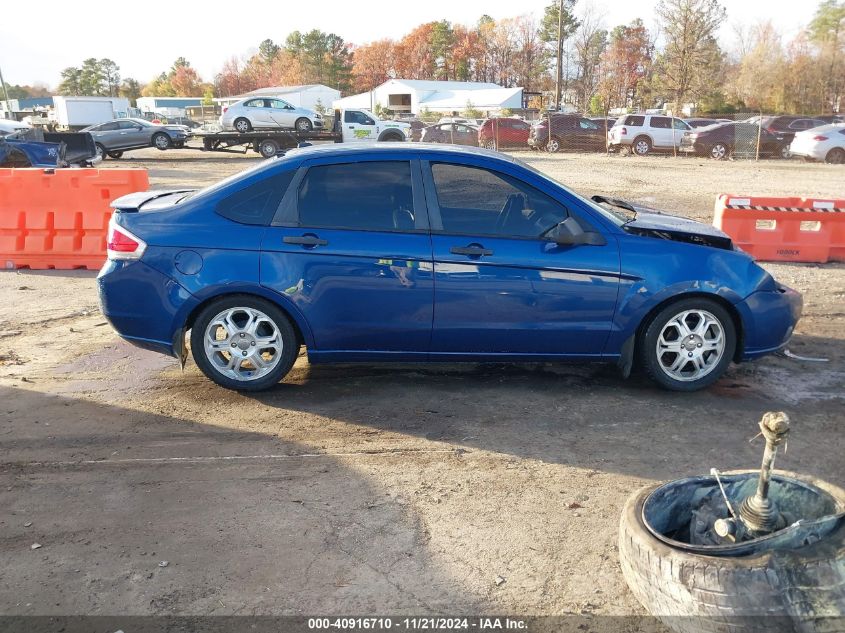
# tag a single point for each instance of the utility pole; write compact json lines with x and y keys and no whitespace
{"x":559,"y":53}
{"x":5,"y":94}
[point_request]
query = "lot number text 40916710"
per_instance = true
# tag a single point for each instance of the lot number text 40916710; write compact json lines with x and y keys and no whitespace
{"x":422,"y":623}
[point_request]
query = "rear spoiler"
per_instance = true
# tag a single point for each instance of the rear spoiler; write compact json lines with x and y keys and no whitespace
{"x":134,"y":201}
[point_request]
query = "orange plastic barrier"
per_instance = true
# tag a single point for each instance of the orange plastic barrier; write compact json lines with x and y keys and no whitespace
{"x":59,"y":218}
{"x":784,"y":229}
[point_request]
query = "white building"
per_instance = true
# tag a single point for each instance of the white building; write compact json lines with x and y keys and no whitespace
{"x":416,"y":95}
{"x":168,"y":106}
{"x":311,"y":96}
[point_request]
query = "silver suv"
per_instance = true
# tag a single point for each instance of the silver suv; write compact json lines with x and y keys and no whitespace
{"x":644,"y":133}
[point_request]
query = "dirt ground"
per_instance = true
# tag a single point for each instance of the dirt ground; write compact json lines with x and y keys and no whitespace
{"x":373,"y":490}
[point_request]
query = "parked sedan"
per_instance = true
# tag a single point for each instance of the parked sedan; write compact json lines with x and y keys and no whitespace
{"x":568,"y":132}
{"x":455,"y":133}
{"x":726,"y":139}
{"x":503,"y":132}
{"x":704,"y":122}
{"x":825,"y":143}
{"x":115,"y":137}
{"x":269,"y":113}
{"x":414,"y":253}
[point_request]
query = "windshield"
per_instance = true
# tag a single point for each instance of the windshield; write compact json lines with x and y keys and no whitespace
{"x":617,"y":217}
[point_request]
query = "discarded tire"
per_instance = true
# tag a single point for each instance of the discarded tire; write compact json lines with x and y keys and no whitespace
{"x":792,"y":580}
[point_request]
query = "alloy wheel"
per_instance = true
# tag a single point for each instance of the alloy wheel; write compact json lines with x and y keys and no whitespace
{"x":690,"y":345}
{"x":243,"y":343}
{"x":718,"y":151}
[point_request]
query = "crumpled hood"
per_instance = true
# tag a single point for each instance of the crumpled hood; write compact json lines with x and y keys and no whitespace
{"x":653,"y":223}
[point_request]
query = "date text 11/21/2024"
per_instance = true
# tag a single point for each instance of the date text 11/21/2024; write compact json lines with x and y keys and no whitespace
{"x":418,"y":623}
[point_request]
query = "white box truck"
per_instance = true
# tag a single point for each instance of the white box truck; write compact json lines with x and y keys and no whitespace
{"x":75,"y":113}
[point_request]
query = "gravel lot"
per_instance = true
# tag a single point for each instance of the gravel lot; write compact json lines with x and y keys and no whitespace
{"x":364,"y":489}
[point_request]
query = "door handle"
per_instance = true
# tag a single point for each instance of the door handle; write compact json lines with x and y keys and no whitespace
{"x":472,"y":251}
{"x":305,"y":240}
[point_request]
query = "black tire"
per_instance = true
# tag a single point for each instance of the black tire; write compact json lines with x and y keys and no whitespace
{"x":303,"y":124}
{"x":116,"y":154}
{"x":101,"y":150}
{"x":290,"y":345}
{"x":179,"y":145}
{"x":392,"y":138}
{"x":719,"y":151}
{"x":836,"y":156}
{"x":697,"y":592}
{"x":553,"y":145}
{"x":641,"y":146}
{"x":161,"y":141}
{"x":268,"y":148}
{"x":650,"y":333}
{"x":242,"y":125}
{"x":490,"y":144}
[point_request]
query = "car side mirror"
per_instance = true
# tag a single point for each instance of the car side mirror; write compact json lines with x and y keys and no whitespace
{"x":570,"y":233}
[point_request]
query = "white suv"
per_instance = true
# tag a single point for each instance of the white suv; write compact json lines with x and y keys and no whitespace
{"x":644,"y":133}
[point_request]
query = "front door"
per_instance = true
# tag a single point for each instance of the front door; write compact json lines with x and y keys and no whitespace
{"x":501,"y":287}
{"x":357,"y":126}
{"x":350,"y":247}
{"x":281,"y":113}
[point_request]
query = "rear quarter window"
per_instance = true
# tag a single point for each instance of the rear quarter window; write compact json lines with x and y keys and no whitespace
{"x":634,"y":120}
{"x":257,"y":203}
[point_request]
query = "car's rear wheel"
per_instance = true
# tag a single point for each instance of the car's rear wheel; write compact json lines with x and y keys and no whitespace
{"x":688,"y":345}
{"x":242,"y":125}
{"x":785,"y":153}
{"x":553,"y":145}
{"x":244,"y":343}
{"x":719,"y":151}
{"x":268,"y":148}
{"x":161,"y":141}
{"x":101,"y":150}
{"x":303,"y":125}
{"x":835,"y":156}
{"x":116,"y":154}
{"x":641,"y":146}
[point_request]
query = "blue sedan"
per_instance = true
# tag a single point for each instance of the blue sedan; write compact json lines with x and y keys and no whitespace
{"x":429,"y":253}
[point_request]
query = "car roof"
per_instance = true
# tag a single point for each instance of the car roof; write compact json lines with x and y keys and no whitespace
{"x":338,"y":149}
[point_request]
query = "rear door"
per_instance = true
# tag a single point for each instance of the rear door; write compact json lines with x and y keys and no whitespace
{"x":501,"y":287}
{"x":660,"y":130}
{"x":350,"y":247}
{"x":257,"y":113}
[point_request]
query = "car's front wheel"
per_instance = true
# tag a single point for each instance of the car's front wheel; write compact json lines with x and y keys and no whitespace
{"x":688,"y":345}
{"x":244,"y":343}
{"x":303,"y":125}
{"x":161,"y":141}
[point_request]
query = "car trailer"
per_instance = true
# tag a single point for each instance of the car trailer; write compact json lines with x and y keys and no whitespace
{"x":267,"y":143}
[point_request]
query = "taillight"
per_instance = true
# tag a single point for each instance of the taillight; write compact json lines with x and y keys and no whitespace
{"x":121,"y":244}
{"x":819,"y":137}
{"x":623,"y":131}
{"x":225,"y":108}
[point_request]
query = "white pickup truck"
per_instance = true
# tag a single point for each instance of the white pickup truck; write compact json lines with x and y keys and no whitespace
{"x":363,"y":125}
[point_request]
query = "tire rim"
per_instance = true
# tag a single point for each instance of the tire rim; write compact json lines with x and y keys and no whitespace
{"x":162,"y":142}
{"x":303,"y":125}
{"x":718,"y":151}
{"x":641,"y":148}
{"x":690,"y":345}
{"x":102,"y":153}
{"x":243,"y":344}
{"x":785,"y":153}
{"x":267,"y":149}
{"x":242,"y":126}
{"x":553,"y":146}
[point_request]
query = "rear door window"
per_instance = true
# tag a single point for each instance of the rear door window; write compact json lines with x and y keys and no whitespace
{"x":660,"y":122}
{"x":634,"y":120}
{"x":370,"y":196}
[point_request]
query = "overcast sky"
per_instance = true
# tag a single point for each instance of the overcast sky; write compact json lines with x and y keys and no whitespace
{"x":144,"y":39}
